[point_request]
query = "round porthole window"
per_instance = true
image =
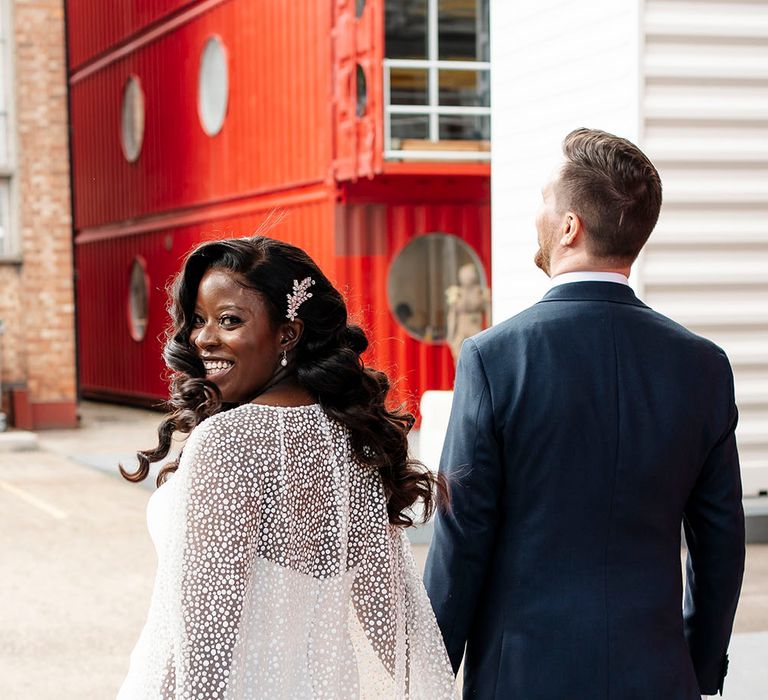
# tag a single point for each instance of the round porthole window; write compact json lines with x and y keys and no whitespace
{"x":362,"y":93}
{"x":213,"y":86}
{"x":132,"y":119}
{"x":138,"y":299}
{"x":437,"y":290}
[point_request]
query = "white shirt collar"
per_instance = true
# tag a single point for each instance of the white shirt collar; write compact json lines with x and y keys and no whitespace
{"x":568,"y":277}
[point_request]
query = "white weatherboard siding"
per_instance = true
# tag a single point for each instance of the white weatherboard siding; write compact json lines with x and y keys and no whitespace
{"x":705,"y":125}
{"x":556,"y":65}
{"x":688,"y":82}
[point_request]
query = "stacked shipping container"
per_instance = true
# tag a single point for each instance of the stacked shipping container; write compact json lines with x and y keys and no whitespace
{"x":298,"y":89}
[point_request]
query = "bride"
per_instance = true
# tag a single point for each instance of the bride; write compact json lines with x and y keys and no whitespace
{"x":283,"y":566}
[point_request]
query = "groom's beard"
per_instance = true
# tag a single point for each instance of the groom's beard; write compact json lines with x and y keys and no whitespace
{"x":543,"y":257}
{"x":542,"y":261}
{"x":544,"y":254}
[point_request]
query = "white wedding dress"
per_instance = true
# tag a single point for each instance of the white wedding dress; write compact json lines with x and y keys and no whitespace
{"x":279,"y":575}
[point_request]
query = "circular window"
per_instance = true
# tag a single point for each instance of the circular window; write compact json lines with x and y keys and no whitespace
{"x":213,"y":86}
{"x":362,"y":93}
{"x":437,"y":290}
{"x":359,"y":7}
{"x":138,"y":299}
{"x":132,"y":119}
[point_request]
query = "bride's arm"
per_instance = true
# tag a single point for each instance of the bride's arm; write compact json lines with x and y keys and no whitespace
{"x":391,"y":604}
{"x":374,"y":591}
{"x":219,"y":501}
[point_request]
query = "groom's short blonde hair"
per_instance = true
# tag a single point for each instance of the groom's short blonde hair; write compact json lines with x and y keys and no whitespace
{"x":614,"y":189}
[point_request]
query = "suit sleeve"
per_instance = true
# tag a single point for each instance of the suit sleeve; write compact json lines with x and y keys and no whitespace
{"x":464,"y":535}
{"x":714,"y":532}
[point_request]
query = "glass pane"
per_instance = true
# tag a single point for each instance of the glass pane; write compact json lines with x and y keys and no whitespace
{"x":405,"y":27}
{"x":213,"y":86}
{"x":138,"y":299}
{"x":3,"y":96}
{"x":465,"y":128}
{"x":5,"y":248}
{"x":407,"y":126}
{"x":362,"y":93}
{"x":408,"y":86}
{"x":437,"y":290}
{"x":3,"y":139}
{"x":132,"y":119}
{"x":464,"y":88}
{"x":463,"y":30}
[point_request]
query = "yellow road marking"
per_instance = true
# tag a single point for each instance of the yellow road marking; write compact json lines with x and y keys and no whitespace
{"x":33,"y":501}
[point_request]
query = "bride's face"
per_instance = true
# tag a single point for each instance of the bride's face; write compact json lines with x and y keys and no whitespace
{"x":234,"y":336}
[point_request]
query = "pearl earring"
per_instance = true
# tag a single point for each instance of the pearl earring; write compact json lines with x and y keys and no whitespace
{"x":284,"y":360}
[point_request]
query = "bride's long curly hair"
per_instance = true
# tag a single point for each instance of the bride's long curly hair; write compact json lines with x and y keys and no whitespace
{"x":327,"y":363}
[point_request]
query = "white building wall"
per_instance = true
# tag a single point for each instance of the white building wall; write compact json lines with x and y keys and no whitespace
{"x":556,"y":65}
{"x":705,"y":124}
{"x":687,"y":80}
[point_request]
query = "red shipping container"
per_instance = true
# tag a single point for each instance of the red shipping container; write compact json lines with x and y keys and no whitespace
{"x":293,"y":138}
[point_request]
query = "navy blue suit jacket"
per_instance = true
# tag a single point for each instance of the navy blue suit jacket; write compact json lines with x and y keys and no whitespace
{"x":583,"y":432}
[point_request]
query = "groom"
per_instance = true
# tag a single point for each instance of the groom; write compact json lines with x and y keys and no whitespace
{"x":584,"y":431}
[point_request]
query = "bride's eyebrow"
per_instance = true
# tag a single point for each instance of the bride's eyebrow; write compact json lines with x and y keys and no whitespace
{"x":231,"y":307}
{"x":225,"y":307}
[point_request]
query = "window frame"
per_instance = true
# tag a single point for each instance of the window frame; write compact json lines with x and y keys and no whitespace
{"x":436,"y":300}
{"x":137,"y":327}
{"x":10,"y":245}
{"x":213,"y":119}
{"x":433,"y":110}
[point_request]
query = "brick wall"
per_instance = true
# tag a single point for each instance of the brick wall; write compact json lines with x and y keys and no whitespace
{"x":37,"y":295}
{"x":14,"y":369}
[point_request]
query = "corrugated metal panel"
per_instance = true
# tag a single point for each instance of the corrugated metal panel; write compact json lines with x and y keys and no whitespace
{"x":358,"y":44}
{"x":706,"y":126}
{"x":369,"y":234}
{"x":111,"y":362}
{"x":97,"y":28}
{"x":275,"y":149}
{"x":379,"y":220}
{"x":276,"y":134}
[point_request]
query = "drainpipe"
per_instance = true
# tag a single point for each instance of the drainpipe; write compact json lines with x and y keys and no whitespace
{"x":3,"y":419}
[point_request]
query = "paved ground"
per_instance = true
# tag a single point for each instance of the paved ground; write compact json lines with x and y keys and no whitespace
{"x":77,"y":567}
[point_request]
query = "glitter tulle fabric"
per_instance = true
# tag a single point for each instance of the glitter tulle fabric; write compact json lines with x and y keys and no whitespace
{"x":279,"y":575}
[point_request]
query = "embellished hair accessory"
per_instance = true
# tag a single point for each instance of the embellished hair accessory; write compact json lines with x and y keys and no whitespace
{"x":299,"y":296}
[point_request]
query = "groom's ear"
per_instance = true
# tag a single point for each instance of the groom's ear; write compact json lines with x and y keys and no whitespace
{"x":571,"y":229}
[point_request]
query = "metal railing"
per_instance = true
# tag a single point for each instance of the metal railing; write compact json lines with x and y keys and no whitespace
{"x":433,"y":110}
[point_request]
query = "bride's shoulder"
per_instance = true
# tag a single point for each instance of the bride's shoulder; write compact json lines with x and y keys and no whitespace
{"x":236,"y":425}
{"x":238,"y":438}
{"x":243,"y":416}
